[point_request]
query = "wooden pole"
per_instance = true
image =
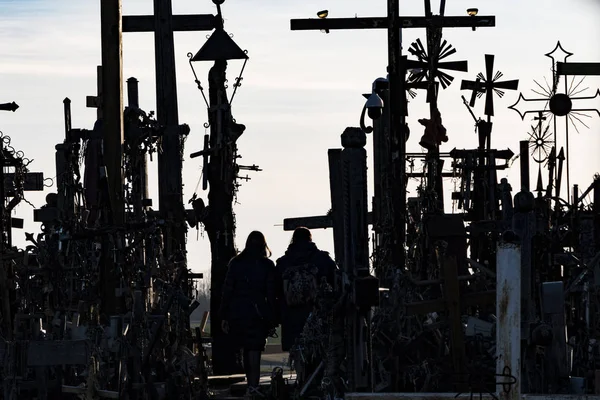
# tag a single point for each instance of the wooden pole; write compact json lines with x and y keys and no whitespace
{"x":112,"y":119}
{"x":112,"y":102}
{"x":170,"y":165}
{"x":397,"y":104}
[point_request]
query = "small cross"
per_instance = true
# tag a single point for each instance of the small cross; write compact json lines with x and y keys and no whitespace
{"x":96,"y":101}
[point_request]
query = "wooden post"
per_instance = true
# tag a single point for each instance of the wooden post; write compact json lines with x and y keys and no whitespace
{"x":356,"y":254}
{"x":112,"y":103}
{"x":508,"y":310}
{"x":596,"y":210}
{"x":112,"y":122}
{"x":170,"y":160}
{"x":4,"y":292}
{"x":524,"y":156}
{"x":337,"y":203}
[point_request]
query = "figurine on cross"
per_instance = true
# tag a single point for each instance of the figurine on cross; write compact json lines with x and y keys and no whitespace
{"x":435,"y":132}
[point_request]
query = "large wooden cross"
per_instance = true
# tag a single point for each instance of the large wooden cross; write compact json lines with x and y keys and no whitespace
{"x":163,"y":23}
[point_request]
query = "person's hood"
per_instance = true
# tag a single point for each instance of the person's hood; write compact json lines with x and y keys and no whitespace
{"x":301,"y":252}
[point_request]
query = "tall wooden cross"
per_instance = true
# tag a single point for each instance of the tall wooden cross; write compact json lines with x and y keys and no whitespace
{"x":163,"y":23}
{"x":111,"y":111}
{"x":397,"y":98}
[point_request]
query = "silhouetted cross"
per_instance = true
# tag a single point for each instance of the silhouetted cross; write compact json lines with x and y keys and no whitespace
{"x":489,"y":85}
{"x":429,"y":65}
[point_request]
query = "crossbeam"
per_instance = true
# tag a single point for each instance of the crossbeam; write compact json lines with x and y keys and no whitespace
{"x":578,"y":68}
{"x":382,"y":23}
{"x":181,"y":23}
{"x":316,"y":222}
{"x":33,"y":181}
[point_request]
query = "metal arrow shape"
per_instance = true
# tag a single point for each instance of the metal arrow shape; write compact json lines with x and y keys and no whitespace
{"x":9,"y":106}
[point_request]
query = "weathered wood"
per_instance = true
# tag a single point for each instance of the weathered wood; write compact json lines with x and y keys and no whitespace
{"x":449,"y":270}
{"x":356,"y":256}
{"x":316,"y":222}
{"x":337,"y":203}
{"x":508,"y":311}
{"x":96,"y":101}
{"x":170,"y":182}
{"x":181,"y":23}
{"x":383,"y":22}
{"x":112,"y":122}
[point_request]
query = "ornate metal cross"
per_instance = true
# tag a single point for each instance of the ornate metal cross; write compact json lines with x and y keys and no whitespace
{"x":489,"y":85}
{"x":561,"y":104}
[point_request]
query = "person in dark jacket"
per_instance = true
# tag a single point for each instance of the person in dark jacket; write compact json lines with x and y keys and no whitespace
{"x":302,"y":253}
{"x":248,"y":303}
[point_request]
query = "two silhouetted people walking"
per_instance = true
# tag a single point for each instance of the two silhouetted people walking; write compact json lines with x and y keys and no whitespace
{"x":259,"y":295}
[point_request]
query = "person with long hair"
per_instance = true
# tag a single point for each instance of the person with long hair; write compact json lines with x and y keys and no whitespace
{"x":248,"y":307}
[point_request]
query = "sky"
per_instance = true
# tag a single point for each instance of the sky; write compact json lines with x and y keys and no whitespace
{"x":300,"y":90}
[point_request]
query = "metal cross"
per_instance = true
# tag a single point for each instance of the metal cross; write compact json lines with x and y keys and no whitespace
{"x":489,"y":85}
{"x":561,"y":104}
{"x":428,"y":67}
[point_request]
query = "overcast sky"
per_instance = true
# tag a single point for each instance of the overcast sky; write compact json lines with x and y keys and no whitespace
{"x":300,"y":90}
